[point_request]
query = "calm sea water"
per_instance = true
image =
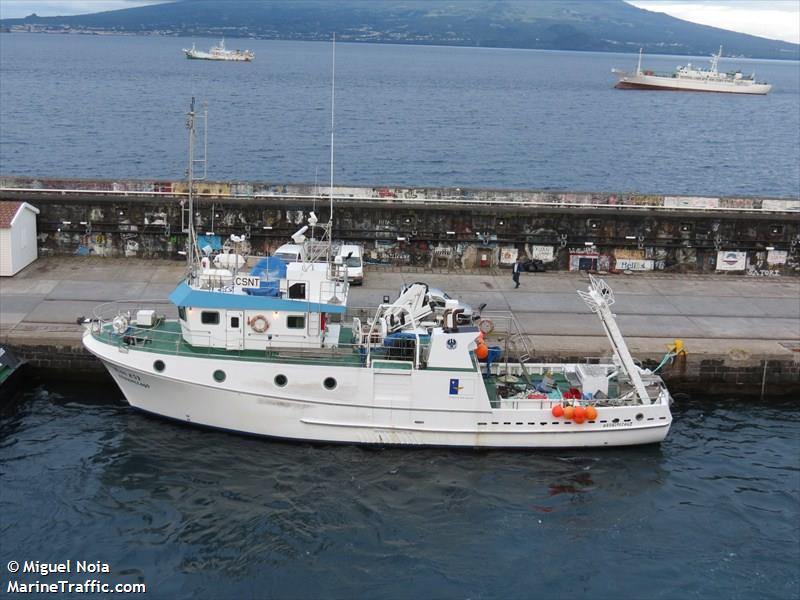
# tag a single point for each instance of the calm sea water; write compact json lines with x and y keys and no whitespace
{"x":113,"y":107}
{"x":710,"y":513}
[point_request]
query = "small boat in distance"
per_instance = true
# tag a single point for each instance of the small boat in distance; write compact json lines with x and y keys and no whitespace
{"x":692,"y":79}
{"x":220,"y":53}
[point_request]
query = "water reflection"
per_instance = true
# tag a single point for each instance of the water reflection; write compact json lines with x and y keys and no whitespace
{"x":183,"y":508}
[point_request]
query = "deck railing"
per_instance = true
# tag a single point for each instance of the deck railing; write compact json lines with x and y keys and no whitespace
{"x":161,"y":338}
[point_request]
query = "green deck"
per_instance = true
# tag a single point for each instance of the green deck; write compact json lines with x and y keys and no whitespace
{"x":166,"y":339}
{"x":5,"y":373}
{"x":391,"y":364}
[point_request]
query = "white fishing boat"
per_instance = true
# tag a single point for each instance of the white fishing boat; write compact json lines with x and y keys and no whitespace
{"x":293,"y":363}
{"x":277,"y":352}
{"x":219,"y":53}
{"x":692,"y":79}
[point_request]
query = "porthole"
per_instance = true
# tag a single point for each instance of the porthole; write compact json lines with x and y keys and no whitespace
{"x":219,"y":375}
{"x":329,"y":383}
{"x":639,"y":416}
{"x":280,"y":380}
{"x":159,"y":365}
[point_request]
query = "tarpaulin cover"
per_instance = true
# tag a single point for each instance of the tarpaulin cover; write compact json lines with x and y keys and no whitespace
{"x":271,"y":270}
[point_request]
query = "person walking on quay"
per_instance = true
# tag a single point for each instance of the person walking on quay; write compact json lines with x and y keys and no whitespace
{"x":515,"y":271}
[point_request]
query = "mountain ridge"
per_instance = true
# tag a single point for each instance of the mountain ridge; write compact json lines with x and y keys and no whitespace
{"x":588,"y":25}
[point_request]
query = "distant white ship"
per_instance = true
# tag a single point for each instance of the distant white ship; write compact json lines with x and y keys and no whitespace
{"x":220,"y":53}
{"x":693,"y":79}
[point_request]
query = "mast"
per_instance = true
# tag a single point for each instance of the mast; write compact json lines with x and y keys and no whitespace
{"x":639,"y":65}
{"x":192,"y":251}
{"x":715,"y":60}
{"x":191,"y":241}
{"x":333,"y":96}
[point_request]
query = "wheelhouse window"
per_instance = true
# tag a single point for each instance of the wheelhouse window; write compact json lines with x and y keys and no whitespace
{"x":208,"y":317}
{"x":295,"y":321}
{"x":182,"y":313}
{"x":297,"y":291}
{"x":234,"y":322}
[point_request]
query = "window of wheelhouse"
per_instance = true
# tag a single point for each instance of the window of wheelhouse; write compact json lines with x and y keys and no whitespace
{"x":209,"y":317}
{"x":296,"y":322}
{"x":297,"y":291}
{"x":182,"y":313}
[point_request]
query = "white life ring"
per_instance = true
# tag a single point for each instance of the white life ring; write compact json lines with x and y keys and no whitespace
{"x":259,"y":324}
{"x":486,"y":326}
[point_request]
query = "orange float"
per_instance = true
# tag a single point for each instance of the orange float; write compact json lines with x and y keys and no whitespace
{"x":557,"y":410}
{"x":579,"y":414}
{"x":568,"y":410}
{"x":591,"y":413}
{"x":482,"y":351}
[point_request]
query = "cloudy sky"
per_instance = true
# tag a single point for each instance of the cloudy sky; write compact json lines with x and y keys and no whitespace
{"x":774,"y":19}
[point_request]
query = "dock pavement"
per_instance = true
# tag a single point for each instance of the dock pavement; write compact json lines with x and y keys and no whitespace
{"x":733,"y":327}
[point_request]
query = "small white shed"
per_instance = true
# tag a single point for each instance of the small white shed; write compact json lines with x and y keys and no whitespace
{"x":17,"y":236}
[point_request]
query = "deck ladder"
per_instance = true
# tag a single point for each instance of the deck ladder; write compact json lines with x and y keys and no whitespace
{"x":519,"y":343}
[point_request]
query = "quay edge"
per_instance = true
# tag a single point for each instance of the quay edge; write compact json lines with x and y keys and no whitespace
{"x":730,"y":355}
{"x":722,"y":371}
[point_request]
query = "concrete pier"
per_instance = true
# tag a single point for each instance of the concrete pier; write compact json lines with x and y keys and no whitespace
{"x":740,"y":332}
{"x":424,"y":227}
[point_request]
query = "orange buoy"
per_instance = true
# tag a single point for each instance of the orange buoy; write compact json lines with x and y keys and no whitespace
{"x":579,"y":414}
{"x":568,"y":410}
{"x":557,"y":410}
{"x":482,"y":351}
{"x":591,"y":413}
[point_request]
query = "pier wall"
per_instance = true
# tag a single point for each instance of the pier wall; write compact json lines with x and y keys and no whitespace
{"x":424,"y":227}
{"x":735,"y":374}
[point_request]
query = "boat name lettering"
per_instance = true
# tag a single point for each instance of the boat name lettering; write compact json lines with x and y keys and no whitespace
{"x":131,"y":377}
{"x":247,"y":281}
{"x":613,"y":425}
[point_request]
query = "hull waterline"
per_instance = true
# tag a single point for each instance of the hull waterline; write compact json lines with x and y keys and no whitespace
{"x":641,"y":85}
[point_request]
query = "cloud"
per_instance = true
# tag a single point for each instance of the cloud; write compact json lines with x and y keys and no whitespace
{"x":776,"y":19}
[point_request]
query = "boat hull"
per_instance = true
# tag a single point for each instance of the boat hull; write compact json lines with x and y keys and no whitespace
{"x":248,"y":403}
{"x":212,"y":57}
{"x":646,"y":82}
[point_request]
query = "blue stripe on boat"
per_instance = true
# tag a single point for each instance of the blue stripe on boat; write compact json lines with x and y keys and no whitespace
{"x":183,"y":295}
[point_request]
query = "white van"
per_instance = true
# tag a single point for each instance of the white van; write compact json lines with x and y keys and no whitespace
{"x":290,"y":253}
{"x":353,"y":257}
